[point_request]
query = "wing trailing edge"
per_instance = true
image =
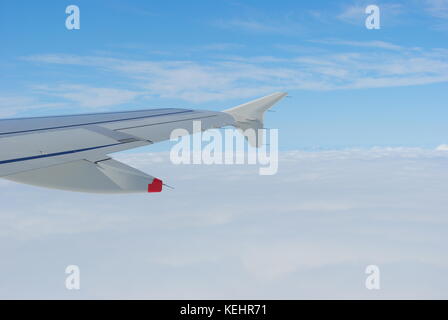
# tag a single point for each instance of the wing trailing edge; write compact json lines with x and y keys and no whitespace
{"x":106,"y":176}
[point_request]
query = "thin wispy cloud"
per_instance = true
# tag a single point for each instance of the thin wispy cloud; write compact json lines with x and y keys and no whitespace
{"x":223,"y":46}
{"x":11,"y":105}
{"x":437,"y":8}
{"x":389,"y":65}
{"x":355,"y":13}
{"x":86,"y":96}
{"x":252,"y":21}
{"x":254,"y":26}
{"x":365,"y":44}
{"x":442,"y":147}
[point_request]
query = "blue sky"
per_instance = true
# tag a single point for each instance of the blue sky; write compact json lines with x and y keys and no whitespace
{"x":350,"y":87}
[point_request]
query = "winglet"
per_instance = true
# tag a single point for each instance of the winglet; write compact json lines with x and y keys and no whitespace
{"x":250,"y":115}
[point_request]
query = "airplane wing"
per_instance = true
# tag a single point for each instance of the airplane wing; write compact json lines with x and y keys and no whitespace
{"x":71,"y":152}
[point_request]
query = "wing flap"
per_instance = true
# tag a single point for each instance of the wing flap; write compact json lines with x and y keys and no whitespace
{"x":107,"y":176}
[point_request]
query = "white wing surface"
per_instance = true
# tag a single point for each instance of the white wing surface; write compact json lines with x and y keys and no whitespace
{"x":71,"y":152}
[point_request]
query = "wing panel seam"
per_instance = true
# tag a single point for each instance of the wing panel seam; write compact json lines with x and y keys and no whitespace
{"x":91,"y":123}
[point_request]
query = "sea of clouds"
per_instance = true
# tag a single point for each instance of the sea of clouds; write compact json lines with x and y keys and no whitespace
{"x":226,"y":232}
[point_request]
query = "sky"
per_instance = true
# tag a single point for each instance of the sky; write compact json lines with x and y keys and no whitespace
{"x":226,"y":233}
{"x":363,"y":149}
{"x":349,"y":86}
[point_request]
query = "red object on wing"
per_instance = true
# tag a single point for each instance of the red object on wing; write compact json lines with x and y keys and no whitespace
{"x":155,"y":186}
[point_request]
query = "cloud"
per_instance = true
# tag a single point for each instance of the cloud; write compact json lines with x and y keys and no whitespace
{"x":355,"y":13}
{"x":253,"y":21}
{"x":186,"y":80}
{"x":389,"y":65}
{"x":255,"y":26}
{"x":367,"y":44}
{"x":225,"y":231}
{"x":11,"y":104}
{"x":88,"y":97}
{"x":223,"y":46}
{"x":442,"y":147}
{"x":437,"y":8}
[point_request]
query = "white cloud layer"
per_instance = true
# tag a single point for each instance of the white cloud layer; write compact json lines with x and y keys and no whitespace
{"x":225,"y":232}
